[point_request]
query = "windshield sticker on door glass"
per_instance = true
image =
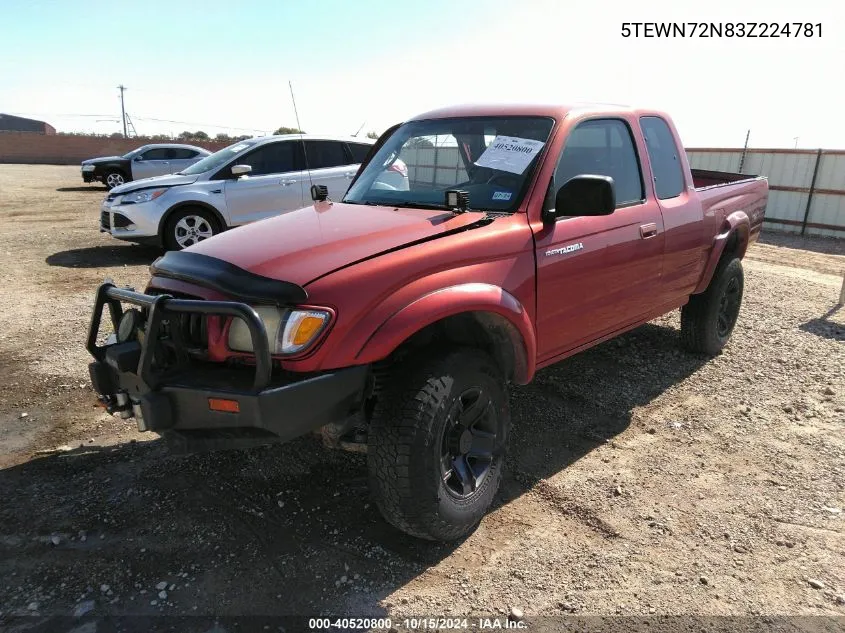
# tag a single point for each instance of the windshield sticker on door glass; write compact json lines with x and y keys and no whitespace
{"x":502,"y":195}
{"x":510,"y":153}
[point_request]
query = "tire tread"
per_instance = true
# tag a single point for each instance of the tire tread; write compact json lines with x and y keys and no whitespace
{"x":401,"y":418}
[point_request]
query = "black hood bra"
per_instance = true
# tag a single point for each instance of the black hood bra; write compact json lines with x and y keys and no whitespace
{"x":227,"y":278}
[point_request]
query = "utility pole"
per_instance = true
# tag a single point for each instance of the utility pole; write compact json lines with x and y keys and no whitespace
{"x":121,"y":87}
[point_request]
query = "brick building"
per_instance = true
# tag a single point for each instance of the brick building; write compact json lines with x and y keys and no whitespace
{"x":9,"y":123}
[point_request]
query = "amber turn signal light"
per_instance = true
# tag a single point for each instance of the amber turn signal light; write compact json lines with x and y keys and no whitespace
{"x":223,"y":405}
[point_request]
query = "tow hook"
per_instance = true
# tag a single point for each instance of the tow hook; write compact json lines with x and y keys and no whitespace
{"x":347,"y":435}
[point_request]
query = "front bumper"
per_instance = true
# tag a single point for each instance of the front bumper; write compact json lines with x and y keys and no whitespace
{"x":131,"y":221}
{"x":175,"y":399}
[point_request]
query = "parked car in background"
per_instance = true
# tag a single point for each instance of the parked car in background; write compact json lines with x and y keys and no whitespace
{"x":247,"y":181}
{"x":144,"y":162}
{"x":395,"y":321}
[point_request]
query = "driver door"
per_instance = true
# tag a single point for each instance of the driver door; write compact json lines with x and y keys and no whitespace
{"x":595,"y":275}
{"x":275,"y":184}
{"x":153,"y":162}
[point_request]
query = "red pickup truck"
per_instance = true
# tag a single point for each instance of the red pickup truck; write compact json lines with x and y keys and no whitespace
{"x":394,"y":320}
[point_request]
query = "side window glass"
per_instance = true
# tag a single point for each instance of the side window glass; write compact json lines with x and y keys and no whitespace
{"x":359,"y":151}
{"x":256,"y":159}
{"x":273,"y":158}
{"x":179,"y":153}
{"x":663,"y":154}
{"x":603,"y":147}
{"x":324,"y":154}
{"x":160,"y":153}
{"x":281,"y":157}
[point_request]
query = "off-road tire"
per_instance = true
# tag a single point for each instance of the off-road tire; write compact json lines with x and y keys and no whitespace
{"x":112,"y":173}
{"x":406,"y":435}
{"x":169,"y":239}
{"x":701,"y":330}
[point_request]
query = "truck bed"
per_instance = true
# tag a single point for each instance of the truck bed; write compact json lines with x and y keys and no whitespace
{"x":729,"y":192}
{"x":705,"y":178}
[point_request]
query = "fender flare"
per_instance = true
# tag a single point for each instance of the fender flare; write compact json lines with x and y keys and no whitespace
{"x":463,"y":298}
{"x":736,"y":224}
{"x":191,"y":203}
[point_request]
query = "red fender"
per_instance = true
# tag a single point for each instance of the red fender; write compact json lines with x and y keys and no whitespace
{"x":471,"y":297}
{"x":736,"y":223}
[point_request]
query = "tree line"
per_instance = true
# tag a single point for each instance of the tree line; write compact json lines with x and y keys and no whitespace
{"x":200,"y":135}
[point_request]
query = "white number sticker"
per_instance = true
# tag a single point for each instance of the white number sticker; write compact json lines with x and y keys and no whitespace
{"x":509,"y":153}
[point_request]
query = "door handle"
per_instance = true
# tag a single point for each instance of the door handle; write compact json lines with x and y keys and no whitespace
{"x":648,"y":230}
{"x":285,"y":183}
{"x":351,"y":174}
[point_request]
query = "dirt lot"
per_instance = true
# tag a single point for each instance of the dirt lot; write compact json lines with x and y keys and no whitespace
{"x":642,"y":479}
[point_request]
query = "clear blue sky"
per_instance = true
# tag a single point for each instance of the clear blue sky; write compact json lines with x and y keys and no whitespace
{"x":226,"y":65}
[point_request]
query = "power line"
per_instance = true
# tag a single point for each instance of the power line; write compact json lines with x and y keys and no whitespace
{"x":53,"y":114}
{"x":226,"y":127}
{"x":136,"y":118}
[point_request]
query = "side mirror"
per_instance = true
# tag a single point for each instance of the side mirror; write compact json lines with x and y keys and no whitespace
{"x":241,"y":170}
{"x":584,"y":195}
{"x":139,"y":158}
{"x":319,"y":193}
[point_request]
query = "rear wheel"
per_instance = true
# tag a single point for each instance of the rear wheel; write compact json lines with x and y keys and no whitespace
{"x":114,"y":179}
{"x":189,"y":226}
{"x":708,"y":320}
{"x":437,"y":443}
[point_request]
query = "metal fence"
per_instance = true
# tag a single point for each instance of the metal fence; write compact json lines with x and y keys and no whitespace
{"x":806,"y":187}
{"x":429,"y":166}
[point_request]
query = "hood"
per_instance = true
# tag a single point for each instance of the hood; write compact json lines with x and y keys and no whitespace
{"x":302,"y":245}
{"x":102,"y":159}
{"x":172,"y":180}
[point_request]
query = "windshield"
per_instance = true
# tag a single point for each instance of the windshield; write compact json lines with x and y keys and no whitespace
{"x":491,"y":158}
{"x":219,"y":158}
{"x":135,"y":152}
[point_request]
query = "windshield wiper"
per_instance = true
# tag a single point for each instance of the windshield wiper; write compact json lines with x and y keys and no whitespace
{"x":401,"y":203}
{"x":420,"y":205}
{"x":411,"y":204}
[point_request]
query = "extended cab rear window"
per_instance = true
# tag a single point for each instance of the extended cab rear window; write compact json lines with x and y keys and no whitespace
{"x":663,"y":154}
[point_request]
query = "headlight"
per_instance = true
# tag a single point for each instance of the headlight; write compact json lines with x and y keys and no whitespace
{"x":141,"y":196}
{"x":288,"y":331}
{"x":88,"y":168}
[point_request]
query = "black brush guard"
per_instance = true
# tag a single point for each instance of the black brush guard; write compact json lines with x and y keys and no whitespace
{"x":157,"y":306}
{"x":175,"y":400}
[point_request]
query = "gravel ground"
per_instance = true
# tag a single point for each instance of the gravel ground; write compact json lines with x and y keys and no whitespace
{"x":642,"y":480}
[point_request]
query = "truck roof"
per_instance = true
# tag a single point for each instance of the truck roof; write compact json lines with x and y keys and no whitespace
{"x":557,"y":111}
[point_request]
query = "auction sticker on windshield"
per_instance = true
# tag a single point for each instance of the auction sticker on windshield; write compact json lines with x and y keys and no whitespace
{"x":510,"y":153}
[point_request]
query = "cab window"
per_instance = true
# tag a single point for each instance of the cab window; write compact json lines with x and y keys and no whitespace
{"x":603,"y":147}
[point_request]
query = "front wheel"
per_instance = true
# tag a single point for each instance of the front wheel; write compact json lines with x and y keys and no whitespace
{"x":708,"y":320}
{"x":187,"y":227}
{"x":114,"y":179}
{"x":436,"y":443}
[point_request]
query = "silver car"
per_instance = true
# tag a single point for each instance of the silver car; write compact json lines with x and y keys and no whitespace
{"x":144,"y":162}
{"x":247,"y":181}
